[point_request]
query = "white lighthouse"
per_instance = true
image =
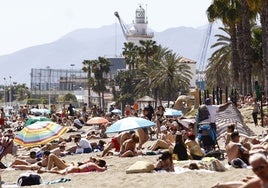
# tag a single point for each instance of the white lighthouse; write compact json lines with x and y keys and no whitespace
{"x":139,"y":30}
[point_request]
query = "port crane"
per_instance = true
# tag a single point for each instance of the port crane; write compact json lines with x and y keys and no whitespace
{"x":201,"y":71}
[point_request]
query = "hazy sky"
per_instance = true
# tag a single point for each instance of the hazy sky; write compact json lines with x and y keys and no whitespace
{"x":26,"y":23}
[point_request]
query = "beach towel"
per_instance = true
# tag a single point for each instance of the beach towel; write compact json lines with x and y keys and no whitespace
{"x":61,"y":180}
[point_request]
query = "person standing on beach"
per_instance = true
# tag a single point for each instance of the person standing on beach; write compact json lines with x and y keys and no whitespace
{"x":2,"y":119}
{"x":255,"y":111}
{"x":70,"y":110}
{"x":150,"y":111}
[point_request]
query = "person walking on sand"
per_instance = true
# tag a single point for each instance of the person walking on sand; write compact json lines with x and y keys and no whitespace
{"x":255,"y":111}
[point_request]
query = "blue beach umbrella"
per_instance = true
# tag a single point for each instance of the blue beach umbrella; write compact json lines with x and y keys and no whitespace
{"x":172,"y":112}
{"x":129,"y":123}
{"x":116,"y":111}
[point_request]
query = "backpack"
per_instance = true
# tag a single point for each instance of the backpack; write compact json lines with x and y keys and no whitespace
{"x":29,"y":178}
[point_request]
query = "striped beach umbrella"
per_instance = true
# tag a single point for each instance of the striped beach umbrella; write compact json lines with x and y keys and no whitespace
{"x":39,"y":133}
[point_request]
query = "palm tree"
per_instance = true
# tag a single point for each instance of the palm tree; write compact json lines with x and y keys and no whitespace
{"x":130,"y":54}
{"x":171,"y":74}
{"x":87,"y":67}
{"x":147,"y":49}
{"x":219,"y":67}
{"x":261,"y":7}
{"x":100,"y":67}
{"x":257,"y":70}
{"x":228,"y":11}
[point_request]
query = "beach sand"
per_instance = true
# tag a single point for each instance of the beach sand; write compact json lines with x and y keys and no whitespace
{"x":116,"y":176}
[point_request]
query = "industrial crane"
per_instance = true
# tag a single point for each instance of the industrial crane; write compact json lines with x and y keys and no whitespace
{"x":124,"y":28}
{"x":203,"y":60}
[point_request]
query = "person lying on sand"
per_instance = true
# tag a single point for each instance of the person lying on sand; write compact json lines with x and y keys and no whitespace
{"x":25,"y":160}
{"x":58,"y":166}
{"x":35,"y":166}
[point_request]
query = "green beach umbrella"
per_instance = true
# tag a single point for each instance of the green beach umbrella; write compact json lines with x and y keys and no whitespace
{"x":35,"y":119}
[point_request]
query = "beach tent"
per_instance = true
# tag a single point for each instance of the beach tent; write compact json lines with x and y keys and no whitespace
{"x":231,"y":115}
{"x":145,"y":99}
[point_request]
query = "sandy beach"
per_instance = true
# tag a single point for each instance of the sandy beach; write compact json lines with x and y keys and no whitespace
{"x":116,"y":175}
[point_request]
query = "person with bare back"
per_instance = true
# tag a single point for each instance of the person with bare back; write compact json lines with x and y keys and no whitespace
{"x":116,"y":142}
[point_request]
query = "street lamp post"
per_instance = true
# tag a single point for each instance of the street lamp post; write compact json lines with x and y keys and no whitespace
{"x":5,"y":91}
{"x":72,"y":65}
{"x":49,"y":83}
{"x":10,"y":91}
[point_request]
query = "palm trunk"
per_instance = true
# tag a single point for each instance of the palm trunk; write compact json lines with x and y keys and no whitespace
{"x":88,"y":87}
{"x":235,"y":57}
{"x":248,"y":57}
{"x":264,"y":23}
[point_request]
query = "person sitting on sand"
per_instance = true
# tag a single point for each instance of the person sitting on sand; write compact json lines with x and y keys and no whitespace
{"x":236,"y":152}
{"x":193,"y":147}
{"x":180,"y":148}
{"x":165,"y":162}
{"x":116,"y":142}
{"x":128,"y":148}
{"x":166,"y":140}
{"x":58,"y":166}
{"x":60,"y":150}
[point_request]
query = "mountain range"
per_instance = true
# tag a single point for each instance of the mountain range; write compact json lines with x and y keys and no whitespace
{"x":88,"y":43}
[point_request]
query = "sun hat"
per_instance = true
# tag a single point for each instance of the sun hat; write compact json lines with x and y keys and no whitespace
{"x":163,"y":128}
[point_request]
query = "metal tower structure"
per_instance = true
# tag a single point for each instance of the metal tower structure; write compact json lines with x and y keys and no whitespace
{"x":201,"y":71}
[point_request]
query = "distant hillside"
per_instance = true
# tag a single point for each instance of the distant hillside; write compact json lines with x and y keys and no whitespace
{"x":88,"y":43}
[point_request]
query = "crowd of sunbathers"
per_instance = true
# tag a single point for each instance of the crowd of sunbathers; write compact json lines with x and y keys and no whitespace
{"x":175,"y":138}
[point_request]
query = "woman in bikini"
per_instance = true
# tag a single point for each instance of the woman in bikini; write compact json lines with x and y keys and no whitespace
{"x":58,"y":166}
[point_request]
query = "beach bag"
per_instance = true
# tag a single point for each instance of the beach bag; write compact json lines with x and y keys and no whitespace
{"x":29,"y":178}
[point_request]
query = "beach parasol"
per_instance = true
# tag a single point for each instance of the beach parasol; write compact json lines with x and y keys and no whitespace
{"x":116,"y":111}
{"x":35,"y":119}
{"x":172,"y":112}
{"x":40,"y":111}
{"x":129,"y":123}
{"x":97,"y":120}
{"x":40,"y":132}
